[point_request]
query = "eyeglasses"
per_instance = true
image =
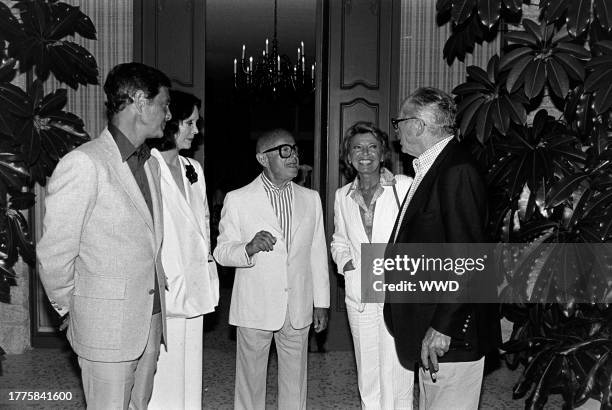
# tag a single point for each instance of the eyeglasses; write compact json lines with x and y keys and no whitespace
{"x":284,"y":150}
{"x":395,"y":121}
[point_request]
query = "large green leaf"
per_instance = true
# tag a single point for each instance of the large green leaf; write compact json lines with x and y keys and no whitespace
{"x":10,"y":27}
{"x":47,"y":132}
{"x":554,"y":9}
{"x":42,"y":44}
{"x":535,"y":76}
{"x":557,"y":78}
{"x":562,"y":189}
{"x":603,"y":99}
{"x":521,"y":37}
{"x":462,"y":10}
{"x":13,"y":99}
{"x":575,"y":50}
{"x":516,"y":76}
{"x":484,"y":123}
{"x":510,"y":58}
{"x":589,"y":384}
{"x":534,"y":29}
{"x":489,"y":11}
{"x":603,"y":9}
{"x":578,"y":16}
{"x":468,"y":114}
{"x":573,"y":66}
{"x":515,"y":109}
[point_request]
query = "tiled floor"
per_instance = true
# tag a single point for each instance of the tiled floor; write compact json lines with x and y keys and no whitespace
{"x":332,"y":382}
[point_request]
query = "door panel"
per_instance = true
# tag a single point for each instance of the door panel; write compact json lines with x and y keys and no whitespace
{"x":362,"y":86}
{"x":171,"y":36}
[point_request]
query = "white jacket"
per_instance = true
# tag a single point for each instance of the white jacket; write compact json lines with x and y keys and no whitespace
{"x":193,"y":284}
{"x":272,"y":282}
{"x":349,"y":232}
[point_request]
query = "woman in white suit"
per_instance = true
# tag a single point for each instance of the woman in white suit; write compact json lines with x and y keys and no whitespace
{"x":364,"y":212}
{"x":193,"y":285}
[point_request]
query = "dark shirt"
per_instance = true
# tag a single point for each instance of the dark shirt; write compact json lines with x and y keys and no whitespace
{"x":136,"y":158}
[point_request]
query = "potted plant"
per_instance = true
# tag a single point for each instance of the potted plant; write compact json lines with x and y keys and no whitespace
{"x":35,"y":131}
{"x":550,"y":183}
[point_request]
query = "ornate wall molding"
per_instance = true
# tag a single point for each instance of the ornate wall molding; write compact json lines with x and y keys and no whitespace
{"x":361,"y":25}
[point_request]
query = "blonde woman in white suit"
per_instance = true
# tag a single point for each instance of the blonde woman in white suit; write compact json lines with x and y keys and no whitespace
{"x":193,"y":286}
{"x":364,"y":212}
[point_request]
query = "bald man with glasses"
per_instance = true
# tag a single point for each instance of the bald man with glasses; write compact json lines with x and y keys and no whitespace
{"x":272,"y":232}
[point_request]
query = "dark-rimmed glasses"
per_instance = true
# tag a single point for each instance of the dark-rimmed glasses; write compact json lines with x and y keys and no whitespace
{"x":284,"y":150}
{"x":395,"y":121}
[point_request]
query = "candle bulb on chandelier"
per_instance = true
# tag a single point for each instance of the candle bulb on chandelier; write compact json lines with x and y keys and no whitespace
{"x":303,"y":50}
{"x":243,"y":51}
{"x":251,"y":64}
{"x":312,"y":73}
{"x":303,"y":65}
{"x":299,"y":54}
{"x":235,"y":66}
{"x":266,"y":46}
{"x":278,"y":63}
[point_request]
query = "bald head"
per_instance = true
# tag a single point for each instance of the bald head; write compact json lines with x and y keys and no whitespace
{"x":270,"y":139}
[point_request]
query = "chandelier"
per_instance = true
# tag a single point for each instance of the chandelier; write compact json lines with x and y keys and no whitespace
{"x":272,"y":75}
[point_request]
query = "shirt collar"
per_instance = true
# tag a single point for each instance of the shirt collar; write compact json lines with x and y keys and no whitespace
{"x":386,"y":179}
{"x":269,"y":185}
{"x":126,"y":148}
{"x":424,"y":161}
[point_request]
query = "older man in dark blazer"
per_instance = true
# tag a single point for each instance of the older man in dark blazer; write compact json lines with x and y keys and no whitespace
{"x":446,"y":204}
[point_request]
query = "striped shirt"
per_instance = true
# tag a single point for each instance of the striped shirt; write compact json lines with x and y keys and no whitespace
{"x":281,"y":199}
{"x":421,"y":165}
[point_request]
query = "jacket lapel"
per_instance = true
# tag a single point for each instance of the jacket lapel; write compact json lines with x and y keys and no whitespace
{"x":126,"y":179}
{"x":195,"y":207}
{"x":152,"y":169}
{"x":179,"y":201}
{"x":422,"y":192}
{"x":354,"y":214}
{"x":298,"y":209}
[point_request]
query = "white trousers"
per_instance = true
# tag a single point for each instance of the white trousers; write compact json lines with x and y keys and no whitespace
{"x":383,"y":382}
{"x":178,"y":381}
{"x":457,"y":386}
{"x":252,"y":351}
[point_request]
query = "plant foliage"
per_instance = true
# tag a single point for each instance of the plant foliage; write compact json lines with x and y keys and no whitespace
{"x":35,"y":131}
{"x":550,"y":183}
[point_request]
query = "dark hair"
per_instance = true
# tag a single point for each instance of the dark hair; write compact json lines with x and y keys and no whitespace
{"x":181,"y":108}
{"x":440,"y":104}
{"x":361,"y":127}
{"x":125,"y":79}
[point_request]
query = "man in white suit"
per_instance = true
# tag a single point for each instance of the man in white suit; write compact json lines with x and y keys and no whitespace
{"x":272,"y":232}
{"x":99,"y":256}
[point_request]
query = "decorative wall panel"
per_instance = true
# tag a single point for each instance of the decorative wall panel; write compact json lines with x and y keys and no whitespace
{"x":178,"y":14}
{"x":360,"y":32}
